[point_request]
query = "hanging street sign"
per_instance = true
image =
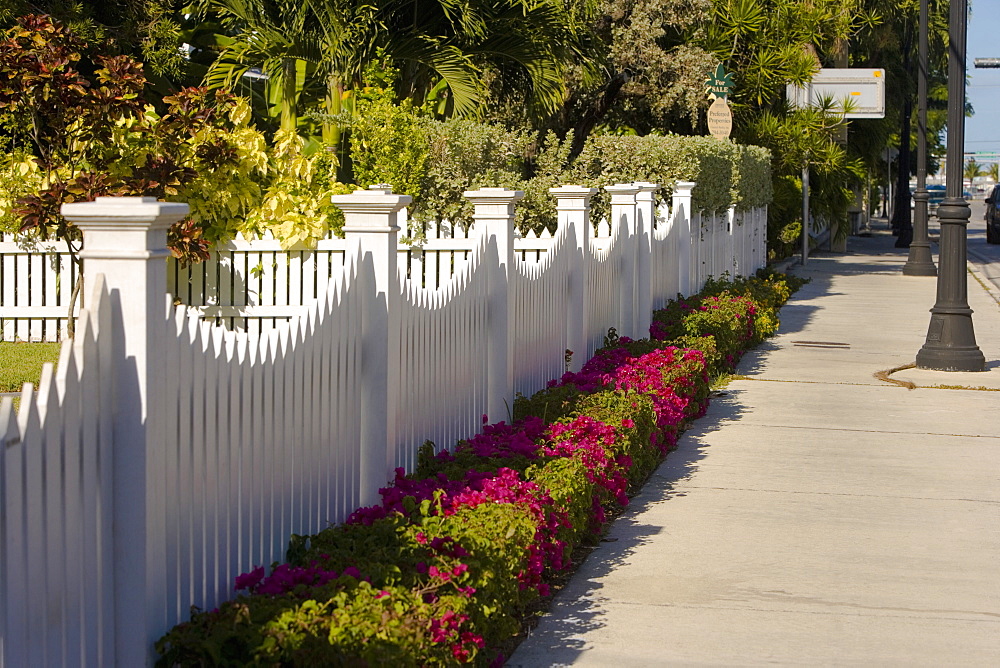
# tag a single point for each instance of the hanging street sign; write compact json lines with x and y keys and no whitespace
{"x":863,"y":87}
{"x":720,"y":116}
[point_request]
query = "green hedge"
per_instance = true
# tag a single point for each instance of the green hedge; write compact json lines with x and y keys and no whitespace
{"x":461,"y":155}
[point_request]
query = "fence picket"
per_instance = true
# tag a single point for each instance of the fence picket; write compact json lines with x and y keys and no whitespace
{"x":13,"y":532}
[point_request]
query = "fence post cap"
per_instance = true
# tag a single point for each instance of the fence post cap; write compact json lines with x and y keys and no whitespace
{"x":370,"y":210}
{"x":118,"y":211}
{"x":683,"y":186}
{"x":647,"y":191}
{"x":490,"y":195}
{"x":622,"y":193}
{"x":573,"y":192}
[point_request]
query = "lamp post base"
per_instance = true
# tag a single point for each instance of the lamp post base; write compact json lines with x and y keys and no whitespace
{"x":920,"y":262}
{"x":961,"y":353}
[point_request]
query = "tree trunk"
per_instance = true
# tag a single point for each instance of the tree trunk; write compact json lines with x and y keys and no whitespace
{"x":289,"y":101}
{"x":901,"y":218}
{"x":333,"y":106}
{"x":77,"y":289}
{"x":597,"y":110}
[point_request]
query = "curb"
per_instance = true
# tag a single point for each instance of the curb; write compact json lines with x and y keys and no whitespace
{"x":974,"y":265}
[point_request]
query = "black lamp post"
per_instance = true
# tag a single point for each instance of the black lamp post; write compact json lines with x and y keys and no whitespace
{"x":951,"y":340}
{"x":920,"y":262}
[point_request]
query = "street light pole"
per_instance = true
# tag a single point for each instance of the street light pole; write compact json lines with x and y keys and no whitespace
{"x":920,"y":262}
{"x":951,"y":340}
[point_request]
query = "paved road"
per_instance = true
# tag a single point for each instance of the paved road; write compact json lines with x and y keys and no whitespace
{"x":985,"y":257}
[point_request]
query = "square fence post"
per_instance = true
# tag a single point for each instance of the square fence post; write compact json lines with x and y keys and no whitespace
{"x":645,"y":208}
{"x":125,"y":239}
{"x":682,"y":217}
{"x":623,"y":215}
{"x":494,"y":218}
{"x":370,"y":221}
{"x":573,"y":207}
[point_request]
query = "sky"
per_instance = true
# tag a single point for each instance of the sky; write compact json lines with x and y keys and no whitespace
{"x":982,"y":130}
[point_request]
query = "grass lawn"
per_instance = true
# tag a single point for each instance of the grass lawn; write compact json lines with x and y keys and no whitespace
{"x":22,"y":363}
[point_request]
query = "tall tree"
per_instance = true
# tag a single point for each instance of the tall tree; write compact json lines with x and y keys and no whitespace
{"x":639,"y":72}
{"x":892,"y":44}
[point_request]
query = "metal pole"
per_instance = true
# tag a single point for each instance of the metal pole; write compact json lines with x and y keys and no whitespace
{"x":920,"y":262}
{"x":805,"y":214}
{"x":951,"y":340}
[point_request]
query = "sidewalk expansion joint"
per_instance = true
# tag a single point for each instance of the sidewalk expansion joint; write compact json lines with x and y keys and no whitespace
{"x":802,"y":382}
{"x":915,"y":613}
{"x":984,"y":282}
{"x":744,"y":423}
{"x":846,"y":494}
{"x":884,"y":376}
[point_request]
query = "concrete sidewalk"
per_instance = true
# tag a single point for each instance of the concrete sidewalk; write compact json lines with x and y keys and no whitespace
{"x":816,"y":515}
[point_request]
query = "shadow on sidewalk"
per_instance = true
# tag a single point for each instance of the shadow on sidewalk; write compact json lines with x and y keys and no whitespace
{"x":580,"y":603}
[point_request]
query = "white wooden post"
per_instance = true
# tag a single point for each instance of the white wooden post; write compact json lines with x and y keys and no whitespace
{"x":760,"y":238}
{"x":573,"y":207}
{"x":681,"y":206}
{"x":125,"y":238}
{"x":494,"y":216}
{"x":370,"y":220}
{"x":731,"y":263}
{"x":623,"y":214}
{"x":645,"y":209}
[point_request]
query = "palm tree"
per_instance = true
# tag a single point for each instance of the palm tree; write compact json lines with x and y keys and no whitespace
{"x":310,"y":47}
{"x":972,"y":170}
{"x":277,"y":36}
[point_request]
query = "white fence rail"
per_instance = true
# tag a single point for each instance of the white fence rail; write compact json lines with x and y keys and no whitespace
{"x":166,"y":455}
{"x":254,"y":285}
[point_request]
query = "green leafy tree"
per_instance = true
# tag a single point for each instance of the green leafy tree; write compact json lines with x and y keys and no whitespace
{"x":634,"y":69}
{"x":147,"y":30}
{"x":80,"y":137}
{"x":891,"y":43}
{"x":315,"y":53}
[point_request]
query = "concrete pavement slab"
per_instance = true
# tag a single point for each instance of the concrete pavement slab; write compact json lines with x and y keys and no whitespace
{"x":816,"y":514}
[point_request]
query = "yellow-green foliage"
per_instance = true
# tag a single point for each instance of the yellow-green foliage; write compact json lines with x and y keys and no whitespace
{"x":296,"y":205}
{"x":220,"y":196}
{"x":388,"y":143}
{"x":19,"y":175}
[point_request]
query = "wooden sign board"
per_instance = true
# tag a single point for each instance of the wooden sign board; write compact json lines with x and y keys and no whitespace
{"x":720,"y":119}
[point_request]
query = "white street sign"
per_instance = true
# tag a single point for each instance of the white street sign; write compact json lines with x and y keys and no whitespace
{"x":864,"y":87}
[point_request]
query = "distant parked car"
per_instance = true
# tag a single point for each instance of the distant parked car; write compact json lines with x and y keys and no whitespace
{"x":993,"y":216}
{"x":935,"y":194}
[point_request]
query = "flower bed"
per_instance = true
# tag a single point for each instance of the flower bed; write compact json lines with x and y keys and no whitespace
{"x":443,"y":569}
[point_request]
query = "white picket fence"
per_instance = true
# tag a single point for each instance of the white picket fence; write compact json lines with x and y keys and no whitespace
{"x":166,"y":455}
{"x":254,"y":285}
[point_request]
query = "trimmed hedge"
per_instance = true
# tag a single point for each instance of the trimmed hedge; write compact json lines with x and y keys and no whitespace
{"x":442,"y":571}
{"x":464,"y":155}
